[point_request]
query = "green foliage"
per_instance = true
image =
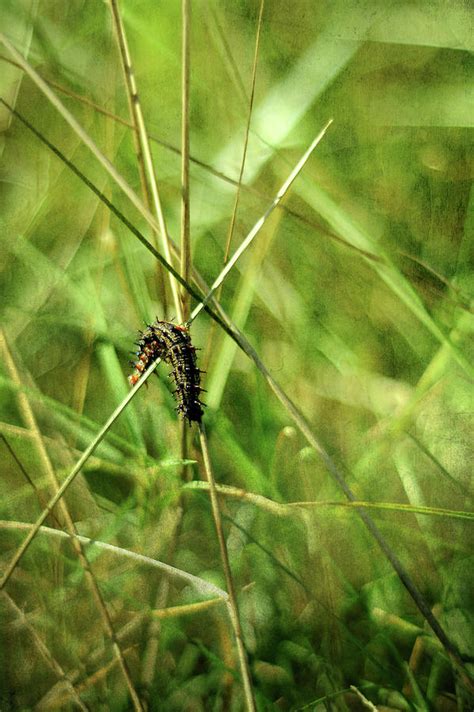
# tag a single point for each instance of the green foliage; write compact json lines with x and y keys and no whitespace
{"x":357,"y":296}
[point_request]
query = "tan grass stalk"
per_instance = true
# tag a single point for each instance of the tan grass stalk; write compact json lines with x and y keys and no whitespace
{"x":185,"y":206}
{"x":129,"y":79}
{"x":144,"y":156}
{"x":287,"y":509}
{"x":185,"y":261}
{"x":232,"y":602}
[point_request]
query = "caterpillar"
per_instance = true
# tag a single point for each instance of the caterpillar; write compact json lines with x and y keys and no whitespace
{"x":172,"y":344}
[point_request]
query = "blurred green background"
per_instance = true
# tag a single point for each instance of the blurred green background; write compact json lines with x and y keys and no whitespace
{"x":357,"y":295}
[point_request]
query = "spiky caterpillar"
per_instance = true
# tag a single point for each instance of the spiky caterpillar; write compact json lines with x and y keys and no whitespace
{"x":172,"y":344}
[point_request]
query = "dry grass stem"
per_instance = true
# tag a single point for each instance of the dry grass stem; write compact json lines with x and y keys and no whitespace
{"x":144,"y":156}
{"x":232,"y":602}
{"x":287,"y":509}
{"x":185,"y":196}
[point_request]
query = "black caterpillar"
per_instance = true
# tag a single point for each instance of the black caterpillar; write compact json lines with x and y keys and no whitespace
{"x":172,"y":344}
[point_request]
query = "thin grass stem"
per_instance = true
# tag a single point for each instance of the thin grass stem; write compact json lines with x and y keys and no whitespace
{"x":144,"y":154}
{"x":287,"y":509}
{"x":232,"y":601}
{"x":185,"y":196}
{"x":132,"y":96}
{"x":259,"y":224}
{"x":247,"y":131}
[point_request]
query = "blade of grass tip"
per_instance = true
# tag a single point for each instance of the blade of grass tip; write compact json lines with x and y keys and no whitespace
{"x":232,"y":601}
{"x":364,"y":701}
{"x":187,"y":609}
{"x":144,"y":156}
{"x":258,"y":225}
{"x":30,"y":421}
{"x":70,"y":478}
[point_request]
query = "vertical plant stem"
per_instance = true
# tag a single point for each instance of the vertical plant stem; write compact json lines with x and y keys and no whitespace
{"x":144,"y":155}
{"x":123,"y":48}
{"x":185,"y":208}
{"x":232,"y":603}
